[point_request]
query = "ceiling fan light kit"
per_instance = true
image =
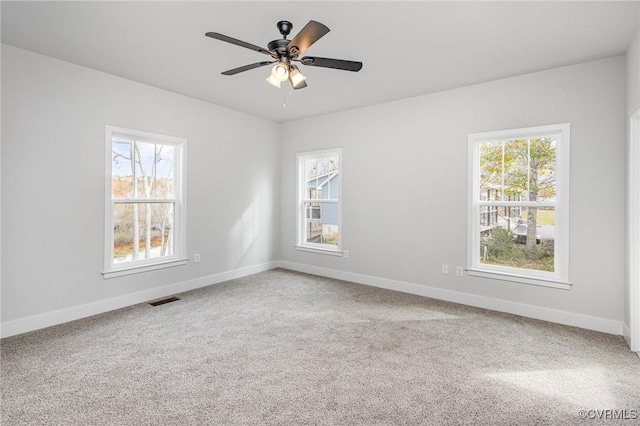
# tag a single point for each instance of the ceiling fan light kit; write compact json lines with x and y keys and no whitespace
{"x":284,"y":52}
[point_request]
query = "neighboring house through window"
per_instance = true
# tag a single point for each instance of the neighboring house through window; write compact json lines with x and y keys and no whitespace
{"x":519,"y":205}
{"x":145,"y":207}
{"x":319,"y":201}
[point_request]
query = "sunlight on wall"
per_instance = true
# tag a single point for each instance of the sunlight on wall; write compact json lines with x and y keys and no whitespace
{"x":250,"y":224}
{"x":584,"y":387}
{"x":247,"y":228}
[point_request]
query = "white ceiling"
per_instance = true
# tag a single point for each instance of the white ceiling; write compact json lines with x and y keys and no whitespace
{"x":408,"y":48}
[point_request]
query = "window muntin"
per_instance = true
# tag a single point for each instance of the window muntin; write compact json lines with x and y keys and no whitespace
{"x":145,"y":205}
{"x":319,"y":200}
{"x":518,"y":202}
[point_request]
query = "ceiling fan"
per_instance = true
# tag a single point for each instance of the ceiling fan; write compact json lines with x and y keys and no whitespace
{"x":285,"y":52}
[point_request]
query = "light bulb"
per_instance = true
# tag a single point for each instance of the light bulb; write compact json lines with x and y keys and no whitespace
{"x":280,"y":71}
{"x":273,"y":81}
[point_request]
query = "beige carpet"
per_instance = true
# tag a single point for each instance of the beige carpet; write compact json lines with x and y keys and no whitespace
{"x":287,"y":348}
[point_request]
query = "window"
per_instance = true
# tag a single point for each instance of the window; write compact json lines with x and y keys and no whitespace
{"x":145,"y":208}
{"x":518,"y":206}
{"x":319,"y":209}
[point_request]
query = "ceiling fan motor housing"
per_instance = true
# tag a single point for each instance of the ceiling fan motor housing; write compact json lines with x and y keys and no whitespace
{"x":280,"y":47}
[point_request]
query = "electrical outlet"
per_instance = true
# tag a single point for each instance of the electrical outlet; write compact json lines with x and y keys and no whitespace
{"x":445,"y":268}
{"x":196,"y":257}
{"x":345,"y":253}
{"x":459,"y":271}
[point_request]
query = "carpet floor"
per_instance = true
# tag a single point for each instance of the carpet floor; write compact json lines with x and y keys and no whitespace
{"x":282,"y":347}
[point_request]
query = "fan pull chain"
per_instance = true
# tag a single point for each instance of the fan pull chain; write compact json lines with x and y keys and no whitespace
{"x":284,"y":97}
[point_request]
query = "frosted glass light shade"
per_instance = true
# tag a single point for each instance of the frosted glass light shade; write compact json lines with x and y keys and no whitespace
{"x":273,"y":81}
{"x":280,"y":71}
{"x":297,"y":79}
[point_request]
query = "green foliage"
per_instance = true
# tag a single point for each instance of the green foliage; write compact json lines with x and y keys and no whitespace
{"x":519,"y":257}
{"x":501,"y":249}
{"x":500,"y":242}
{"x":525,"y":163}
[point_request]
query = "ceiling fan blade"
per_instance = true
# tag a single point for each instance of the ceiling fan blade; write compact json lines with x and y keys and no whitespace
{"x":308,"y":35}
{"x":237,"y":42}
{"x":338,"y":64}
{"x":247,"y":67}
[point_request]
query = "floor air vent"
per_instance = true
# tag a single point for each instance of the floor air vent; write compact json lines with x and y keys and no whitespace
{"x":163,"y":301}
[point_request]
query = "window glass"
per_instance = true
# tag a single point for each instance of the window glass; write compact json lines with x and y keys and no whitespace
{"x":151,"y":225}
{"x":154,"y":170}
{"x":504,"y":232}
{"x":122,"y":173}
{"x":319,"y":200}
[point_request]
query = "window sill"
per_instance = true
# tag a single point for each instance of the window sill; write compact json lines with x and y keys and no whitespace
{"x":562,"y":285}
{"x":329,"y":252}
{"x":114,"y":273}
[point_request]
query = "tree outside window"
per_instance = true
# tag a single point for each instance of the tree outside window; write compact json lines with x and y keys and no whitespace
{"x":520,"y":170}
{"x":519,"y":196}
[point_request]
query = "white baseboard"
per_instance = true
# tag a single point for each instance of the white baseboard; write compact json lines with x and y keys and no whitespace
{"x":48,"y":319}
{"x":626,"y":333}
{"x":522,"y":309}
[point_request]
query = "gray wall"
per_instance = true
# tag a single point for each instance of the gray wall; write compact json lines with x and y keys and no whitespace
{"x":633,"y":104}
{"x":53,"y":170}
{"x":633,"y":73}
{"x":416,"y":149}
{"x":241,"y":182}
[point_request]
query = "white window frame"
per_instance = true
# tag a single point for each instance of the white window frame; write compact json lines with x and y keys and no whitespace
{"x":111,"y":269}
{"x":559,"y":278}
{"x":633,"y":238}
{"x":301,"y":211}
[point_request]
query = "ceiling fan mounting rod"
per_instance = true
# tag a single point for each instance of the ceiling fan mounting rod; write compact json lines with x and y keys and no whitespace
{"x":285,"y":28}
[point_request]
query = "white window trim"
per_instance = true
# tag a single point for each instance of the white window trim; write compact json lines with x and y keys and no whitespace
{"x":560,"y":277}
{"x":113,"y":270}
{"x":301,"y":244}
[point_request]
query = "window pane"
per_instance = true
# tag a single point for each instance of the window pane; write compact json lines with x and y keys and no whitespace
{"x":491,"y":171}
{"x":322,"y":176}
{"x":505,"y":239}
{"x":154,"y":170}
{"x":142,"y":231}
{"x":542,"y":174}
{"x":516,"y":164}
{"x":314,"y":211}
{"x":321,"y":223}
{"x":518,"y":170}
{"x":122,"y":173}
